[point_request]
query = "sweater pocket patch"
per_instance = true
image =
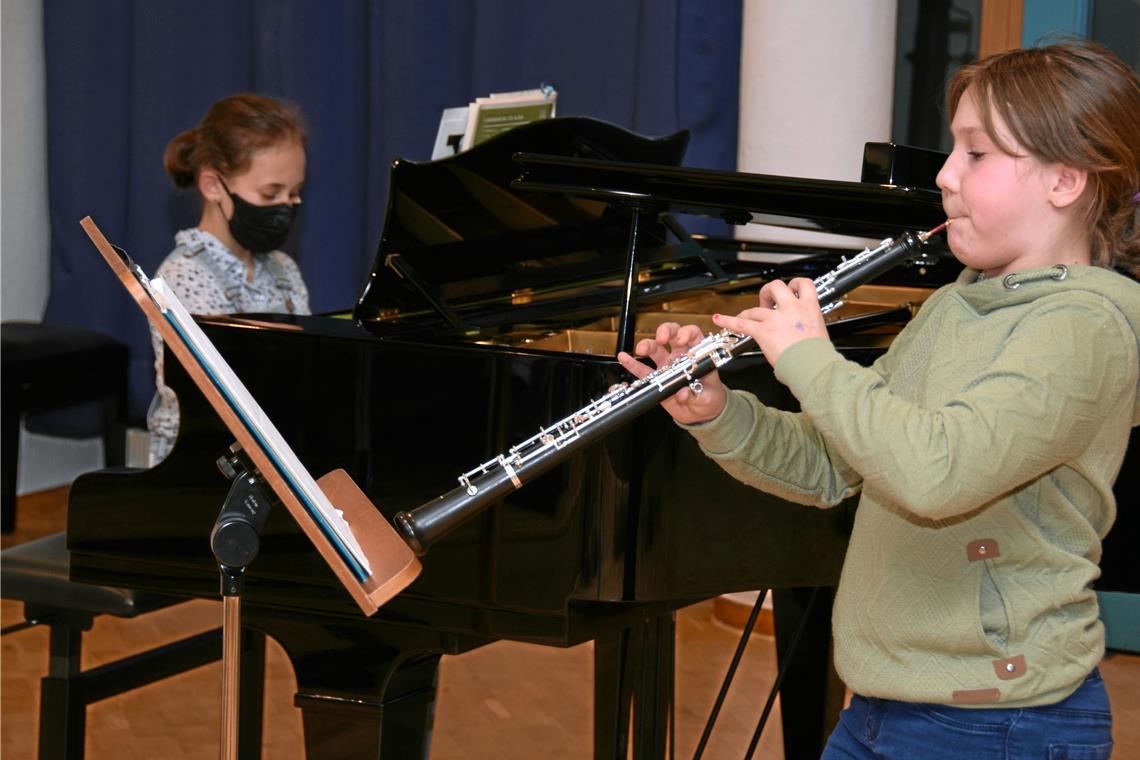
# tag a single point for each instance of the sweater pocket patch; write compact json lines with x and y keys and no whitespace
{"x":993,"y":610}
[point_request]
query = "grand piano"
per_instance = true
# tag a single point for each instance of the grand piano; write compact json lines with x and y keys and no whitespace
{"x":505,"y":280}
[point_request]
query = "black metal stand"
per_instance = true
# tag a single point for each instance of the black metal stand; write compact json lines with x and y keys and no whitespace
{"x":788,"y":658}
{"x":235,"y":541}
{"x":730,"y":674}
{"x":786,"y":647}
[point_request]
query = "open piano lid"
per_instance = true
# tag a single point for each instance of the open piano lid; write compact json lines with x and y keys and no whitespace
{"x":467,"y":236}
{"x":457,"y":234}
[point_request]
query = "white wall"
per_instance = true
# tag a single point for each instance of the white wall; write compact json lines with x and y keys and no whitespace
{"x":24,"y":262}
{"x":24,"y":227}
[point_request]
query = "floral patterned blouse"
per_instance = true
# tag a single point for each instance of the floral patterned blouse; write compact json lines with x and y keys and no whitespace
{"x":209,"y":279}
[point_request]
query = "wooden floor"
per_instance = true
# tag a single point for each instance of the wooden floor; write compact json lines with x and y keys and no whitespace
{"x":503,"y":701}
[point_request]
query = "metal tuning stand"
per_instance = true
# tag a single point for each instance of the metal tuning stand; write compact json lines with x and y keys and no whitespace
{"x":235,"y":541}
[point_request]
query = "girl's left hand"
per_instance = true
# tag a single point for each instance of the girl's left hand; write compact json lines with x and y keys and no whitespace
{"x":787,"y":314}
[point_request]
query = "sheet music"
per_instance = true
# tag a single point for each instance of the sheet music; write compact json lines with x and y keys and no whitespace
{"x":257,"y":423}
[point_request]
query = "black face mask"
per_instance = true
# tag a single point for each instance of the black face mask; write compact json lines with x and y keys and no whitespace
{"x":260,"y":229}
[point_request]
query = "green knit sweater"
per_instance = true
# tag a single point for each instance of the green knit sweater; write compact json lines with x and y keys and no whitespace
{"x":985,"y":443}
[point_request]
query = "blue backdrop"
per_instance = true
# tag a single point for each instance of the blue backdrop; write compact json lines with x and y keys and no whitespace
{"x":371,"y":78}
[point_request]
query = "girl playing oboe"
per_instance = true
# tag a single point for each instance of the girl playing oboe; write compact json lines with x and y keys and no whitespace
{"x":985,"y":442}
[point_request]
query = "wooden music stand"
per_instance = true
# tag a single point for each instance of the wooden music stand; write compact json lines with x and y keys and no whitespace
{"x":358,"y":543}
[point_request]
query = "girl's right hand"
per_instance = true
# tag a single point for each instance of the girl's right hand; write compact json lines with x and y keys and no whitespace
{"x":672,"y":341}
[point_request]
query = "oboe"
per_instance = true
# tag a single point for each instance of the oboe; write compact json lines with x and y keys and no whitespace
{"x":495,"y":478}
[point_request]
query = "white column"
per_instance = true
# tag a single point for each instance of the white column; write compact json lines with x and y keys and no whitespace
{"x":816,"y":83}
{"x":25,"y":253}
{"x":25,"y":242}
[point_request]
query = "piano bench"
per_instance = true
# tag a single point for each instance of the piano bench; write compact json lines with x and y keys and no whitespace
{"x":57,"y":368}
{"x":37,"y":574}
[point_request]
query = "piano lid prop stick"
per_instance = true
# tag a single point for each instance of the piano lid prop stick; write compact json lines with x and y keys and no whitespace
{"x":360,"y":546}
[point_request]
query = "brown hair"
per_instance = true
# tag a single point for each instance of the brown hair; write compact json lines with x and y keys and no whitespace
{"x":231,"y":132}
{"x":1078,"y":104}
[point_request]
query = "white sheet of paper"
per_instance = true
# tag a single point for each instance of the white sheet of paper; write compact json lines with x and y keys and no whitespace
{"x":452,"y":124}
{"x":328,"y":517}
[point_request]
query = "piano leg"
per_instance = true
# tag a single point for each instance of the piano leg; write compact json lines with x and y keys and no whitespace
{"x":652,"y":702}
{"x":366,"y":689}
{"x":812,"y":694}
{"x":633,"y":670}
{"x":613,"y":686}
{"x":396,"y":724}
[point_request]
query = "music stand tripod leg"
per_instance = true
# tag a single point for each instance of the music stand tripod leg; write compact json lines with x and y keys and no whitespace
{"x":235,"y":541}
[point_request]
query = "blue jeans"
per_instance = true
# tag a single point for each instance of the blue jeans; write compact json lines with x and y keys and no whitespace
{"x":1076,"y":728}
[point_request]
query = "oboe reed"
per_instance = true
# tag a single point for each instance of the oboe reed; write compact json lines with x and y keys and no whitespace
{"x":924,"y":236}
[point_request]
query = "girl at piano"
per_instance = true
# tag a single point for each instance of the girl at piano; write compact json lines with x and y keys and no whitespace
{"x":985,"y":442}
{"x":246,"y":159}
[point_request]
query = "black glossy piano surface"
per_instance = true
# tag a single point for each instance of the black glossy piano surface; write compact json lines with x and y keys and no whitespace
{"x":493,"y":309}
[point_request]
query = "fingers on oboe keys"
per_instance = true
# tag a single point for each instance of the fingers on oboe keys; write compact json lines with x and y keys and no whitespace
{"x":768,"y":299}
{"x":804,"y":289}
{"x":632,"y":365}
{"x":669,"y":341}
{"x":690,"y":335}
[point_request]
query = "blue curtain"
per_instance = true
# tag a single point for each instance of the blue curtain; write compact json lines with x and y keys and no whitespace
{"x":371,"y":78}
